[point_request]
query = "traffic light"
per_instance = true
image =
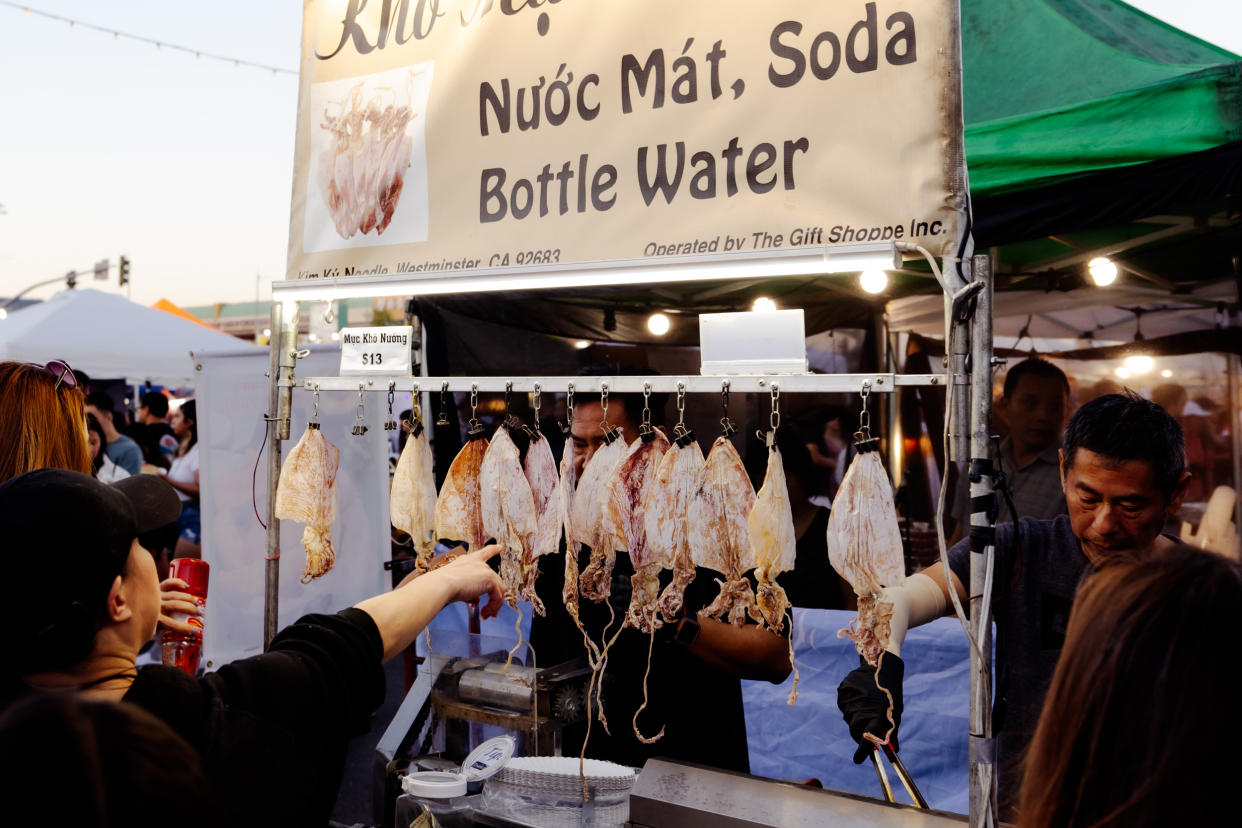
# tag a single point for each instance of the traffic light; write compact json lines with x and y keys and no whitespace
{"x":123,"y":271}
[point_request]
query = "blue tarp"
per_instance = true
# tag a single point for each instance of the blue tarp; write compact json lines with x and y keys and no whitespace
{"x":810,"y":738}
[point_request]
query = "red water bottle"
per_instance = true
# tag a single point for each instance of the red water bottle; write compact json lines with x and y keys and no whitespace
{"x":183,"y":650}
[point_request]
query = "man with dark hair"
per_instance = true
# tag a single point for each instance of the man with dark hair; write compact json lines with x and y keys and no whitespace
{"x":694,"y":688}
{"x":122,"y":450}
{"x":1122,"y":467}
{"x":1034,"y":402}
{"x":151,"y":430}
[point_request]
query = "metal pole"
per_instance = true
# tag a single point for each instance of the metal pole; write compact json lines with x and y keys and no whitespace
{"x":1235,"y":439}
{"x":271,"y":569}
{"x":957,"y":347}
{"x":982,"y":745}
{"x":284,"y":343}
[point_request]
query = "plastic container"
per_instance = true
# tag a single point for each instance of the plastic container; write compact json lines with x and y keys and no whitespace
{"x":183,"y":650}
{"x":439,"y":793}
{"x":443,"y":794}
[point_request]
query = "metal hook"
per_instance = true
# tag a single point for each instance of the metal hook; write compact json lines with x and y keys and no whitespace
{"x":684,"y":435}
{"x":725,"y":423}
{"x":314,"y":420}
{"x":775,"y":418}
{"x":391,"y":424}
{"x":862,"y":437}
{"x":645,"y":428}
{"x":535,"y":407}
{"x":442,"y":419}
{"x":360,"y":419}
{"x":476,"y":426}
{"x":603,"y":404}
{"x":508,"y":393}
{"x":569,"y":411}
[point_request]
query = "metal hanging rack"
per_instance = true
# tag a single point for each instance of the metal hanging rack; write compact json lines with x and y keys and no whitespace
{"x":967,"y":379}
{"x":693,"y":384}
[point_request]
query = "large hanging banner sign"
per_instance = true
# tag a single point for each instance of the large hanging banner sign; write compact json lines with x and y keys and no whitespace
{"x":437,"y":136}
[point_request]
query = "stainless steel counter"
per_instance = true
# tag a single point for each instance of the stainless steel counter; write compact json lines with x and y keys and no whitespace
{"x":671,"y":794}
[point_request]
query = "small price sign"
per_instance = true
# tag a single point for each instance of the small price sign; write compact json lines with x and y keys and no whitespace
{"x":383,"y":350}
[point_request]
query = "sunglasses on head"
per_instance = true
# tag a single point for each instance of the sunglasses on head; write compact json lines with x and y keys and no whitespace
{"x":59,"y":369}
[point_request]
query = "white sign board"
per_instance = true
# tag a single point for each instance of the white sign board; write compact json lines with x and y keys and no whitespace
{"x":464,"y":136}
{"x":383,"y":350}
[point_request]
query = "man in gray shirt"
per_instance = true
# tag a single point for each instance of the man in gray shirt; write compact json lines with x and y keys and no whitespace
{"x":1034,"y":403}
{"x":1122,"y":469}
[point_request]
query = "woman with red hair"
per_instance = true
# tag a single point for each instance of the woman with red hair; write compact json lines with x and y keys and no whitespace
{"x":42,"y":419}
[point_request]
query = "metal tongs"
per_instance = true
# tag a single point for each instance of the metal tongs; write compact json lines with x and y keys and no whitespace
{"x":904,"y":775}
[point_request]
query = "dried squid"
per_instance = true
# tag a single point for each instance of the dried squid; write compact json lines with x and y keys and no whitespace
{"x":541,"y":475}
{"x":864,"y":546}
{"x":775,"y":543}
{"x":718,"y":532}
{"x":588,"y":506}
{"x":621,"y":528}
{"x":676,"y":479}
{"x":564,"y":497}
{"x":412,"y":501}
{"x":509,"y":516}
{"x":306,"y":492}
{"x":459,"y":509}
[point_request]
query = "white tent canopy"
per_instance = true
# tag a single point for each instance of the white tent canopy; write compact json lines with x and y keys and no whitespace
{"x":1061,"y":320}
{"x":109,"y":337}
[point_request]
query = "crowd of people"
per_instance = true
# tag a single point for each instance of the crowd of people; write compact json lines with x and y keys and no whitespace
{"x":1114,"y":648}
{"x":260,"y":741}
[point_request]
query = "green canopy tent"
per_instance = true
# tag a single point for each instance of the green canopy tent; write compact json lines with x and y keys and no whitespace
{"x":1092,"y":122}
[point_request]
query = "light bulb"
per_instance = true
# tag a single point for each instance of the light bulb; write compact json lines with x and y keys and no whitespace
{"x":267,"y":332}
{"x":336,"y":335}
{"x":658,"y":324}
{"x":1166,"y":373}
{"x":1123,"y":373}
{"x":1103,"y":271}
{"x":1140,"y":363}
{"x":582,"y":344}
{"x":873,"y":281}
{"x":763,"y":303}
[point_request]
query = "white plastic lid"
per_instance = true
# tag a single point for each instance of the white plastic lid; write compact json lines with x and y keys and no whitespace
{"x":434,"y":784}
{"x":488,"y":758}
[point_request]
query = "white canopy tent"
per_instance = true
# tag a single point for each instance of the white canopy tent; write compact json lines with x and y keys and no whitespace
{"x":1050,"y":321}
{"x":109,"y":337}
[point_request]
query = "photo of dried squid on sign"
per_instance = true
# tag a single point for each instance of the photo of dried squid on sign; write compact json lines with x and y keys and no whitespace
{"x":367,"y":181}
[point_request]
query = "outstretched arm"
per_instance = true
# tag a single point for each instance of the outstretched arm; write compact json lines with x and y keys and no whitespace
{"x":403,"y":613}
{"x":748,"y":652}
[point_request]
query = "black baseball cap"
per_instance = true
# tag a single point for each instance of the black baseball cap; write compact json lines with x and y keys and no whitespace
{"x":64,"y":537}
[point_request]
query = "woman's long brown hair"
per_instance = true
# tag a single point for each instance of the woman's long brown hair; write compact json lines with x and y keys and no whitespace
{"x":1142,"y":719}
{"x":41,"y":426}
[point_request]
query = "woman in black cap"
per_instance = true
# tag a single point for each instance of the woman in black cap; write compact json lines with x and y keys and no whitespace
{"x":76,"y":607}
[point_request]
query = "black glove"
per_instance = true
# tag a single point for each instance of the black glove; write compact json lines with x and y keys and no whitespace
{"x":865,"y":706}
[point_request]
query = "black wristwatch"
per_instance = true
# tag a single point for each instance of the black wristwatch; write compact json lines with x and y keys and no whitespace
{"x":687,"y":632}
